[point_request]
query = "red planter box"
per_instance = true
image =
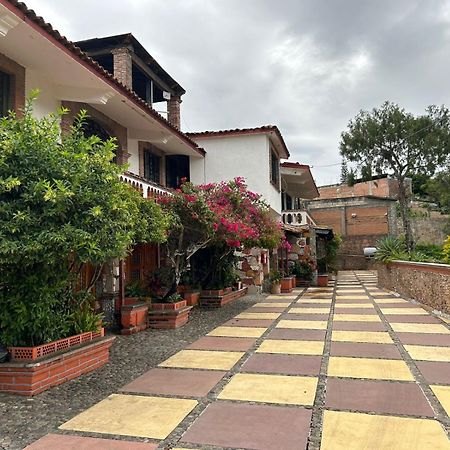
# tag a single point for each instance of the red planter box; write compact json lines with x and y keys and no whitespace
{"x":192,"y":298}
{"x":215,"y":292}
{"x":31,"y":378}
{"x":221,"y":300}
{"x":168,"y":306}
{"x":169,"y":318}
{"x":33,"y":353}
{"x":133,"y":316}
{"x":286,"y":285}
{"x":322,"y":280}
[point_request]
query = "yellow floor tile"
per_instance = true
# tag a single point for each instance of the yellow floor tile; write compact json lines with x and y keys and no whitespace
{"x":356,"y":318}
{"x":376,"y":337}
{"x":419,"y":328}
{"x":201,"y":359}
{"x":351,"y":291}
{"x":354,"y":305}
{"x":291,"y":347}
{"x":356,"y":431}
{"x":428,"y":353}
{"x":282,"y":296}
{"x":133,"y":415}
{"x":401,"y":311}
{"x":303,"y":324}
{"x":309,"y":311}
{"x":376,"y":369}
{"x":306,"y":300}
{"x":237,"y":332}
{"x":390,"y":300}
{"x":271,"y":305}
{"x":352,"y":297}
{"x":443,"y":395}
{"x":291,"y":390}
{"x":250,"y":315}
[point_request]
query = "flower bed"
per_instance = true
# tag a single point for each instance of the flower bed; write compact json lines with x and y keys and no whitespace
{"x":33,"y":353}
{"x":428,"y":283}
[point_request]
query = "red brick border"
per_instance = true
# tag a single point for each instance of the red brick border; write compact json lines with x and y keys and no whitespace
{"x":33,"y":378}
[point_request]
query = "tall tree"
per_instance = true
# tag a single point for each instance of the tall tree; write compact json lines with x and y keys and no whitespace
{"x":390,"y":140}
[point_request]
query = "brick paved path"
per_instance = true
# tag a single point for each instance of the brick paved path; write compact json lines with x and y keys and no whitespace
{"x":344,"y":367}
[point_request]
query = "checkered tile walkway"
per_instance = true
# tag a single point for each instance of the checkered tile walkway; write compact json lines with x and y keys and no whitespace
{"x":345,"y":367}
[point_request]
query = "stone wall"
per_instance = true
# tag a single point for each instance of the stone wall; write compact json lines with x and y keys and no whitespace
{"x":425,"y":282}
{"x":427,"y":230}
{"x":351,"y":254}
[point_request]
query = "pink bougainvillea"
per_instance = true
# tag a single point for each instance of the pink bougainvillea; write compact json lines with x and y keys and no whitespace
{"x":215,"y":213}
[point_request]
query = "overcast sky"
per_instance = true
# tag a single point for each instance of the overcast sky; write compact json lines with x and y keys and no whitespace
{"x":305,"y":66}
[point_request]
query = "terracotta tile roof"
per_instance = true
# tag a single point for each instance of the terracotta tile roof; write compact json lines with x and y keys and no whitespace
{"x":265,"y":129}
{"x":31,"y":18}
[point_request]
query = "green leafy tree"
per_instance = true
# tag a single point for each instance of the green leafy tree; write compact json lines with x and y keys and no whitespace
{"x":62,"y":206}
{"x":351,"y":178}
{"x":438,"y":188}
{"x":390,"y":140}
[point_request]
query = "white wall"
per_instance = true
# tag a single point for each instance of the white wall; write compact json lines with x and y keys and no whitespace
{"x":47,"y":102}
{"x":237,"y":156}
{"x":133,"y":160}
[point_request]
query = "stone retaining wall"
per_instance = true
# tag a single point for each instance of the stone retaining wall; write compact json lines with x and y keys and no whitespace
{"x":425,"y":282}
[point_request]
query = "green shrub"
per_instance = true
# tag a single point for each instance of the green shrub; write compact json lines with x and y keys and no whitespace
{"x":391,"y":248}
{"x":302,"y":270}
{"x":275,"y":276}
{"x":446,"y":251}
{"x":62,"y":206}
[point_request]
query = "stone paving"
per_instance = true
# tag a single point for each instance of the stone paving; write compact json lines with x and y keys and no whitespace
{"x":344,"y":367}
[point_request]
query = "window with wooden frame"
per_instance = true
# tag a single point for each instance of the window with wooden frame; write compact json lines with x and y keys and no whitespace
{"x":274,"y":169}
{"x":152,"y":166}
{"x":5,"y":93}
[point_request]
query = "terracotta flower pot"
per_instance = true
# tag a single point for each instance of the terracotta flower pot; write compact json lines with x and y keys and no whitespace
{"x":275,"y":288}
{"x":322,"y":280}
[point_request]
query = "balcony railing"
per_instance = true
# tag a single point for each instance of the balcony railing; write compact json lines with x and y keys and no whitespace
{"x":147,"y":188}
{"x":297,"y":217}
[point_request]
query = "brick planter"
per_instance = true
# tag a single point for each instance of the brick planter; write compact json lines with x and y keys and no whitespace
{"x":192,"y":298}
{"x":169,"y":315}
{"x":39,"y":351}
{"x":211,"y":301}
{"x":322,"y":280}
{"x":133,"y":315}
{"x":31,"y":378}
{"x":427,"y":283}
{"x":215,"y":292}
{"x":286,"y":285}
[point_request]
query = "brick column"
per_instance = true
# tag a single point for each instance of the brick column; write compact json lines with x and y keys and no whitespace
{"x":173,"y":110}
{"x":123,"y":67}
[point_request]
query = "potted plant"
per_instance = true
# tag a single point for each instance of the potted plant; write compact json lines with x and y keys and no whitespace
{"x":304,"y":272}
{"x":322,"y":274}
{"x":275,"y":282}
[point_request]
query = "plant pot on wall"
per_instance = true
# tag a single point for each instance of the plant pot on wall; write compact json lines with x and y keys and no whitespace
{"x":322,"y":280}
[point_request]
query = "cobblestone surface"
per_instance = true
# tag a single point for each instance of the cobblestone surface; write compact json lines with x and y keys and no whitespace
{"x":23,"y":420}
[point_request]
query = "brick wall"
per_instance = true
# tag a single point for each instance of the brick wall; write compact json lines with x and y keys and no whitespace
{"x":123,"y":66}
{"x":426,"y":283}
{"x":32,"y":378}
{"x":174,"y":111}
{"x":384,"y":187}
